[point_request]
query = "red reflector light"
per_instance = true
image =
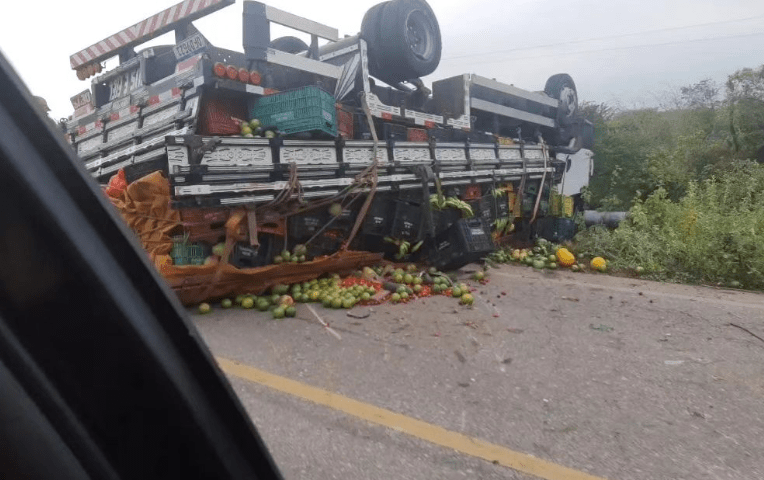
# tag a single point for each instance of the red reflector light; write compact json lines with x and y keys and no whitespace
{"x":254,"y":78}
{"x":243,"y":75}
{"x":232,"y":72}
{"x":219,"y":69}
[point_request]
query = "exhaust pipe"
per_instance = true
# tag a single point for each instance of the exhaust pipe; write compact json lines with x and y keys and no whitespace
{"x":609,"y":219}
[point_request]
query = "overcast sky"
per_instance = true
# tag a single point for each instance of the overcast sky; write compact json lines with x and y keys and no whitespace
{"x":625,"y":52}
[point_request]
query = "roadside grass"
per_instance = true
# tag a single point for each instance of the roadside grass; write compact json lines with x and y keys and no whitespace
{"x":714,"y":234}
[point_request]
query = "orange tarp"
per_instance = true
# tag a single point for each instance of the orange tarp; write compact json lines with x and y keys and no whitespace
{"x":145,"y":206}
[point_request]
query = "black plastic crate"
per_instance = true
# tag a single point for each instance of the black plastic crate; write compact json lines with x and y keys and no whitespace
{"x":376,"y":243}
{"x":454,"y":190}
{"x":481,"y":137}
{"x":484,"y":208}
{"x":346,"y":219}
{"x":443,"y":219}
{"x":407,"y":223}
{"x":440,"y":134}
{"x":467,"y":241}
{"x":500,"y":206}
{"x":414,"y":195}
{"x":304,"y":225}
{"x":324,"y":244}
{"x":247,"y":256}
{"x":392,"y":131}
{"x":379,"y":217}
{"x":557,"y":229}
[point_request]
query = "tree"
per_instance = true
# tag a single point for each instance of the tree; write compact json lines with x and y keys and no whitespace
{"x":706,"y":94}
{"x":745,"y":115}
{"x":746,"y":83}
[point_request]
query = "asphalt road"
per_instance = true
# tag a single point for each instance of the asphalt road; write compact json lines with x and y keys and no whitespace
{"x":608,"y":377}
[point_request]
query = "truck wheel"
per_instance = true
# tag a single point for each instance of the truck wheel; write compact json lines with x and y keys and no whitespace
{"x":562,"y":88}
{"x":289,"y":45}
{"x":370,"y":32}
{"x":406,"y":41}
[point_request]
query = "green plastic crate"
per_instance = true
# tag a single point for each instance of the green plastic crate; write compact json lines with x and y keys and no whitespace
{"x":184,"y":253}
{"x":308,"y":109}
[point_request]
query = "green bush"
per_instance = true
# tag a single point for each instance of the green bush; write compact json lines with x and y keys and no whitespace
{"x":713,"y":234}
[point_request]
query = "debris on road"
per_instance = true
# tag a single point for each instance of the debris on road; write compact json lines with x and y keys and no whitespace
{"x":359,"y":315}
{"x":326,"y":325}
{"x":601,"y":328}
{"x":673,"y":363}
{"x":746,"y":330}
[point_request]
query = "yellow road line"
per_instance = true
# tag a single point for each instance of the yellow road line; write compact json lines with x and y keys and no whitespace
{"x":432,"y":433}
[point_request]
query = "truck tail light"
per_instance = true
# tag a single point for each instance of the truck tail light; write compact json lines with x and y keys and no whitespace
{"x":232,"y":72}
{"x":219,"y":69}
{"x":254,"y":78}
{"x":243,"y":75}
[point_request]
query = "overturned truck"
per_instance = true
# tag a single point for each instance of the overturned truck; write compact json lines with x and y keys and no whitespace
{"x":333,"y":145}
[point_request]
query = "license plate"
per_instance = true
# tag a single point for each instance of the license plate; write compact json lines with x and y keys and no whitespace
{"x":124,"y":84}
{"x":189,"y":47}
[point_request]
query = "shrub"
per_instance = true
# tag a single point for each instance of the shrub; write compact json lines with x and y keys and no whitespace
{"x":713,"y":234}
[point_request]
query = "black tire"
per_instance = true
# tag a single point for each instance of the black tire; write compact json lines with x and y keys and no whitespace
{"x":561,"y":87}
{"x":370,"y":27}
{"x":564,"y":140}
{"x":285,"y":78}
{"x":370,"y":24}
{"x":289,"y":45}
{"x":406,"y":43}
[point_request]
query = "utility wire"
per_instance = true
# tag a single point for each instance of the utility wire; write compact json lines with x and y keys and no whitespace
{"x":626,"y":47}
{"x":610,"y":37}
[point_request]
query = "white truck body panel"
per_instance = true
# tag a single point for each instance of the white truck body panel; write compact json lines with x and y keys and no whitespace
{"x":578,"y":170}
